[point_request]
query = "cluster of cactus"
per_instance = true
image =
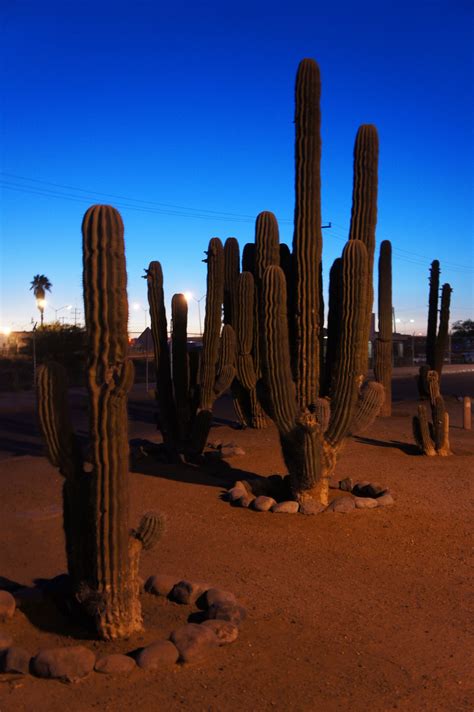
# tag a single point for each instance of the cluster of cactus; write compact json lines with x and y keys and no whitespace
{"x":102,"y":552}
{"x":432,"y":438}
{"x":189,"y":382}
{"x":437,"y":334}
{"x":315,"y":403}
{"x":383,"y":343}
{"x":242,"y":309}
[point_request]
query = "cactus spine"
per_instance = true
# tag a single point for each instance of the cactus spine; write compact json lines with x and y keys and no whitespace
{"x":102,"y":555}
{"x":311,"y":432}
{"x":383,"y":344}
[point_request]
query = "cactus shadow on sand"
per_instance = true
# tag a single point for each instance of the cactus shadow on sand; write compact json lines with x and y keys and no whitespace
{"x":407,"y":448}
{"x":208,"y":469}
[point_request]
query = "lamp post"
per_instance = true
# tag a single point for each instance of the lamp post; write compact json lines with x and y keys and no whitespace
{"x":138,"y":306}
{"x":188,"y":296}
{"x":56,"y":311}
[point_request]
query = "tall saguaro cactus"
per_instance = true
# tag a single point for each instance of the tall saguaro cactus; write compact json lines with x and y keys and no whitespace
{"x":383,"y":344}
{"x":437,"y":334}
{"x":102,"y":554}
{"x":311,"y":433}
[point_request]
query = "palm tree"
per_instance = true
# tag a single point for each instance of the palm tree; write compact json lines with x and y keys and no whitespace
{"x":39,"y":284}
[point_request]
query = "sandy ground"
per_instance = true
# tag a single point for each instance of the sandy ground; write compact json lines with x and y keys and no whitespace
{"x":371,"y":610}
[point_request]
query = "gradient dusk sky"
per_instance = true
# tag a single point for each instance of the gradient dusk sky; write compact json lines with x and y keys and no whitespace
{"x":181,"y":116}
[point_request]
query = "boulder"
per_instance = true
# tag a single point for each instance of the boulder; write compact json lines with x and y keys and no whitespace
{"x":157,"y":655}
{"x":194,"y":642}
{"x":7,"y":606}
{"x":226,"y":632}
{"x":160,"y":584}
{"x":68,"y":664}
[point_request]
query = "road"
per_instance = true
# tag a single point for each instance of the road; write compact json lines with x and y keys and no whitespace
{"x":19,"y":433}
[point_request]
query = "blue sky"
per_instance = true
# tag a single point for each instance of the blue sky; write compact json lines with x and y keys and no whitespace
{"x":182,"y":117}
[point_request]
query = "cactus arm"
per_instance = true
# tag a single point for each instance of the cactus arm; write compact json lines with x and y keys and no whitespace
{"x":159,"y":329}
{"x":432,"y":314}
{"x":180,"y":363}
{"x":334,"y":319}
{"x":278,"y":373}
{"x":350,"y":371}
{"x":212,"y":323}
{"x":368,"y":407}
{"x":150,"y":529}
{"x":421,"y":432}
{"x":245,"y":330}
{"x":226,"y":364}
{"x":364,"y":208}
{"x":55,"y":420}
{"x":307,"y":238}
{"x":231,"y":276}
{"x":383,"y":344}
{"x":442,"y":340}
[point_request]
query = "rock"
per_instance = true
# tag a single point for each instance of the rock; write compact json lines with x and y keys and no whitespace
{"x":334,"y":483}
{"x":263,"y":503}
{"x":342,"y":505}
{"x":15,"y":660}
{"x":115,"y":664}
{"x":311,"y":506}
{"x":7,"y":606}
{"x":230,"y":612}
{"x":194,"y":642}
{"x":187,"y":592}
{"x":226,"y":632}
{"x":385,"y":500}
{"x":69,"y":664}
{"x":229,"y":444}
{"x":236,"y":493}
{"x":157,"y":655}
{"x":244,"y":485}
{"x":245,"y":501}
{"x":346,"y":484}
{"x":288,"y":507}
{"x":160,"y":584}
{"x":5,"y":640}
{"x":365,"y":502}
{"x":219,"y":596}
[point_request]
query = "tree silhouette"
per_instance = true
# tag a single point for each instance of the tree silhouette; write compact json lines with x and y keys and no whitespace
{"x":39,"y":284}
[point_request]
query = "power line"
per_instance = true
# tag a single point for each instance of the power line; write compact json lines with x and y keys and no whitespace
{"x":407,"y":256}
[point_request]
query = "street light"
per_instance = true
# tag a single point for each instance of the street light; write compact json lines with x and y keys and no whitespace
{"x":56,"y":311}
{"x":188,"y":296}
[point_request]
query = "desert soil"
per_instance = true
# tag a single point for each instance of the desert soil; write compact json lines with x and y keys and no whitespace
{"x":369,"y":611}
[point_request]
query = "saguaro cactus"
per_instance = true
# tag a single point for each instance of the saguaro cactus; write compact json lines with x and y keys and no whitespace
{"x":102,"y":554}
{"x":186,"y":392}
{"x":436,"y":336}
{"x":383,"y":344}
{"x":432,"y":439}
{"x":310,"y":435}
